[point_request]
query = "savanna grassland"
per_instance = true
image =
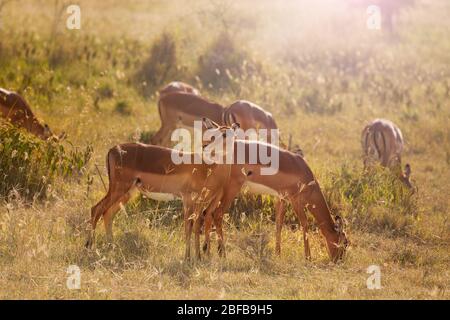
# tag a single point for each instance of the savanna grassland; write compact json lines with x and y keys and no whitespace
{"x":314,"y":64}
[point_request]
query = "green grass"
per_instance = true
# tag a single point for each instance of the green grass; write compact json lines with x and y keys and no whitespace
{"x":320,"y":72}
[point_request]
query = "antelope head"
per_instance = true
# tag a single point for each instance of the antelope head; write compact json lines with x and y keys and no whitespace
{"x":217,"y":140}
{"x":49,"y":136}
{"x":405,"y":176}
{"x":338,"y":249}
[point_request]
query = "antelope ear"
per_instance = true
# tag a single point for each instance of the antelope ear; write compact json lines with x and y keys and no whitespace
{"x":209,"y":124}
{"x":407,"y":171}
{"x":235,"y":126}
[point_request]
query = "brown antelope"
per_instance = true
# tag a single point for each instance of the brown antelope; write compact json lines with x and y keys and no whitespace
{"x":248,"y":115}
{"x":182,"y":109}
{"x":294,"y":182}
{"x":151,"y":170}
{"x":16,"y":110}
{"x":382,"y":142}
{"x":178,"y":86}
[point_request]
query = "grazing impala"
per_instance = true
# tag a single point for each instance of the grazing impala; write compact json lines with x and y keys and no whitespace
{"x":151,"y":170}
{"x":248,"y":115}
{"x":182,"y":109}
{"x":382,"y":141}
{"x":15,"y":109}
{"x":178,"y":86}
{"x":294,"y":182}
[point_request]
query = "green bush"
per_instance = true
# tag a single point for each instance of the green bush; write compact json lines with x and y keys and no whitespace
{"x":222,"y":62}
{"x":29,"y":165}
{"x":160,"y":66}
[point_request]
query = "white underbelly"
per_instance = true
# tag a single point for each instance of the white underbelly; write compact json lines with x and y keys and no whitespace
{"x":257,"y":188}
{"x":161,"y":196}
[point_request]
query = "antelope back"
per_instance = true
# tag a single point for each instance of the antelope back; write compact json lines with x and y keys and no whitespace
{"x":382,"y":141}
{"x":248,"y":115}
{"x":178,"y":86}
{"x":185,"y":108}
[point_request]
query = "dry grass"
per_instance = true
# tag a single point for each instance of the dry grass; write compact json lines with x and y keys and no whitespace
{"x":321,"y":90}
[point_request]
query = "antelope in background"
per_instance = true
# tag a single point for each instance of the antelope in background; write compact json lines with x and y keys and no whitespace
{"x":150,"y":169}
{"x":294,"y":182}
{"x":382,"y":141}
{"x":181,"y":108}
{"x":16,"y":110}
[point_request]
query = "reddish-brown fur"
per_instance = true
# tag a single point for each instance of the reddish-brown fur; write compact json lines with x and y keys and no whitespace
{"x":294,"y":182}
{"x":150,"y":169}
{"x":17,"y":111}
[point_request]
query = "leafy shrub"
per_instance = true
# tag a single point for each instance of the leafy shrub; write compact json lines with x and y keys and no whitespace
{"x":29,"y":165}
{"x":160,"y":66}
{"x":374,"y":200}
{"x":222,"y":62}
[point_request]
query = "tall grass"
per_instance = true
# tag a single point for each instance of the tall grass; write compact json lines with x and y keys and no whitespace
{"x":373,"y":200}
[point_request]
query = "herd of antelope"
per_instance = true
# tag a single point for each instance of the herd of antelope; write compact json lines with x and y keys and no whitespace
{"x":208,"y":190}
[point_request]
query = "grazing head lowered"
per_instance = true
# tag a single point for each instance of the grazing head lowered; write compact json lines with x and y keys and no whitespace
{"x":293,"y":182}
{"x":17,"y":111}
{"x":180,"y":108}
{"x":337,"y":250}
{"x":382,"y":142}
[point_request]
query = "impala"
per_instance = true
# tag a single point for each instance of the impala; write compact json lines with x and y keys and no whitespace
{"x":294,"y":182}
{"x":178,"y":86}
{"x":150,"y":169}
{"x":382,"y":142}
{"x":180,"y":109}
{"x":16,"y":110}
{"x":248,"y":115}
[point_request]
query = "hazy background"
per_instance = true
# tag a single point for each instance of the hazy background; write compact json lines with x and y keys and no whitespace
{"x":321,"y":72}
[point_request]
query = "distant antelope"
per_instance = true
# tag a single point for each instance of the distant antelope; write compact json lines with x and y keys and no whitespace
{"x":180,"y":109}
{"x":178,"y":86}
{"x":382,"y":141}
{"x":150,"y":169}
{"x":16,"y":110}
